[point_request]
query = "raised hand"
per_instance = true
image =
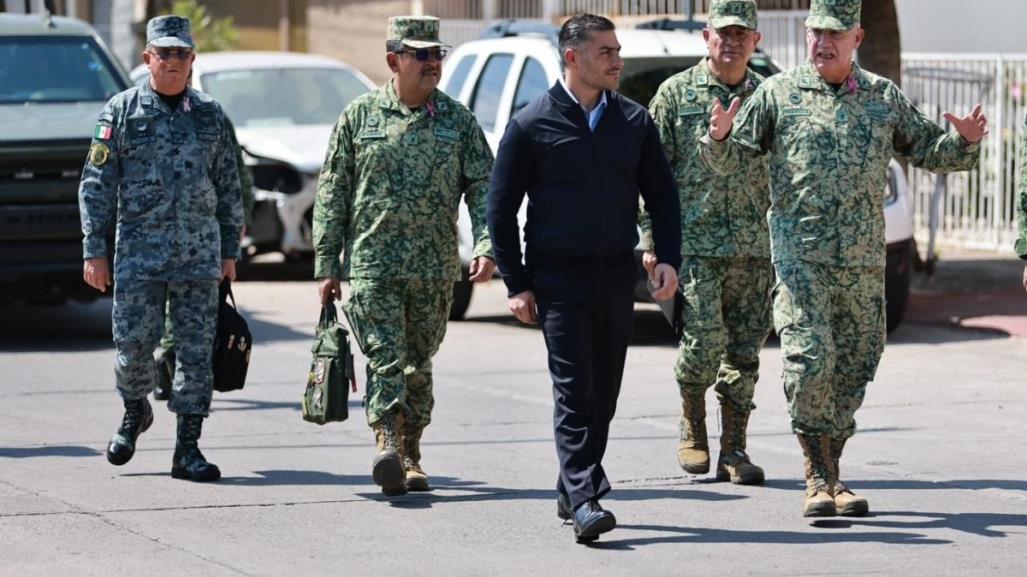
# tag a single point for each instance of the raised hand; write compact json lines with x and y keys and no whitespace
{"x":973,"y":127}
{"x":721,"y":120}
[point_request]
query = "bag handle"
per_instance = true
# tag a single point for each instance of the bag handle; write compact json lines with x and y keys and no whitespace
{"x":225,"y":291}
{"x":329,"y":315}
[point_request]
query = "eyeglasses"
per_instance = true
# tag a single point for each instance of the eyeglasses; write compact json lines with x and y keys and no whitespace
{"x":426,"y":54}
{"x":165,"y":54}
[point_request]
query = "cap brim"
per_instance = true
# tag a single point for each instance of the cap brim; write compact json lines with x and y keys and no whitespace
{"x":725,"y":21}
{"x":170,"y":42}
{"x":826,"y":23}
{"x":424,"y":44}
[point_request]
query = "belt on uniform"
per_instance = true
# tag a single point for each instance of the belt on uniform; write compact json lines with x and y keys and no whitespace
{"x":589,"y":262}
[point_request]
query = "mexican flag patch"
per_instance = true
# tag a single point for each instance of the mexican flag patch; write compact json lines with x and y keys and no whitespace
{"x":103,"y":132}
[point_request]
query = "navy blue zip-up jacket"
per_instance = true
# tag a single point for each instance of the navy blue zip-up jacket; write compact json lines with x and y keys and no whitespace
{"x":582,"y":186}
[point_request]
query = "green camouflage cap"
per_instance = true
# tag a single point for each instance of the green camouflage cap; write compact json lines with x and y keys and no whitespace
{"x":169,"y":31}
{"x":834,"y":14}
{"x":724,"y":13}
{"x":415,"y":31}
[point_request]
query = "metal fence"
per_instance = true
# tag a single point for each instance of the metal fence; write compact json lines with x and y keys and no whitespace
{"x":979,"y":207}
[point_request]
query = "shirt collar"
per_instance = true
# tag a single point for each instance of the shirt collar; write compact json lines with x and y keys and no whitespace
{"x":599,"y":105}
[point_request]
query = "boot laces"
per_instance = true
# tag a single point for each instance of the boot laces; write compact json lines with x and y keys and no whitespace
{"x":133,"y":419}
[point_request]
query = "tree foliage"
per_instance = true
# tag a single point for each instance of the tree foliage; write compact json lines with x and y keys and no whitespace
{"x":210,"y":34}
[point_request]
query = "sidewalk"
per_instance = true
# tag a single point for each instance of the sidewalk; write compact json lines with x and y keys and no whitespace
{"x":974,"y":290}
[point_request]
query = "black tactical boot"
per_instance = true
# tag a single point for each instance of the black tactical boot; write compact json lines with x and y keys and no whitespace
{"x":165,"y":365}
{"x":387,"y":468}
{"x":138,"y":417}
{"x":188,"y":462}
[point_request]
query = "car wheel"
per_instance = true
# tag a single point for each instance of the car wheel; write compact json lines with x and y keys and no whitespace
{"x":898,"y":276}
{"x":462,"y":290}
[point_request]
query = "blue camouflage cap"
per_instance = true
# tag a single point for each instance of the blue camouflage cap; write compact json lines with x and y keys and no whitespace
{"x":169,"y":32}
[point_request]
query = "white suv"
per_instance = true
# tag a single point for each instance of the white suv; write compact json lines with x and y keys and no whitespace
{"x":514,"y":62}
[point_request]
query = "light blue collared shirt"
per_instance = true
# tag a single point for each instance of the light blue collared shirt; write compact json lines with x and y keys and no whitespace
{"x":596,"y":113}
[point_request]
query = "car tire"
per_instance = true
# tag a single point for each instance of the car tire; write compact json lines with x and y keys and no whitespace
{"x":898,"y":277}
{"x":462,"y":290}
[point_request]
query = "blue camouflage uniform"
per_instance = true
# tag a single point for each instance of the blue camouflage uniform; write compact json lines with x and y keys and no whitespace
{"x":169,"y":181}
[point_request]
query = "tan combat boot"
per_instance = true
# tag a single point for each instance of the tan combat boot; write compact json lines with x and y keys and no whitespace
{"x":846,"y":503}
{"x":733,"y":463}
{"x":819,"y":476}
{"x":416,"y":479}
{"x":387,"y":467}
{"x":693,"y":446}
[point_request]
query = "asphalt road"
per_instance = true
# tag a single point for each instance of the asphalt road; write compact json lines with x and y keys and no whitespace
{"x":939,"y":455}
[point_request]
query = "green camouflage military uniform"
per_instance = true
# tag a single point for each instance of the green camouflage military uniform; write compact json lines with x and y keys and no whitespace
{"x":169,"y":180}
{"x":1021,"y":207}
{"x":726,"y":275}
{"x":388,"y":197}
{"x":829,"y":151}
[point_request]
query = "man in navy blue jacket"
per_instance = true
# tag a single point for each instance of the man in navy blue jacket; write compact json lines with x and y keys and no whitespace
{"x":582,"y":153}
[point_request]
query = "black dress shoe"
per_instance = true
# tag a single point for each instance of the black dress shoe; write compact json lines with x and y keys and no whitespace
{"x":591,"y":520}
{"x":563,"y":507}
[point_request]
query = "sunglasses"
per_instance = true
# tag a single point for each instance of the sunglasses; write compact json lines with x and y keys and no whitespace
{"x":165,"y":54}
{"x":426,"y":54}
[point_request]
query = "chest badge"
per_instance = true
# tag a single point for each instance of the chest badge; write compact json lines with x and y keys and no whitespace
{"x":795,"y":98}
{"x":690,"y":95}
{"x":372,"y":121}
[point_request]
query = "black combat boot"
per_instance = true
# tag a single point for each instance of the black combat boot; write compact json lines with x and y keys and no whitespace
{"x":165,"y":366}
{"x":138,"y":417}
{"x":188,"y":462}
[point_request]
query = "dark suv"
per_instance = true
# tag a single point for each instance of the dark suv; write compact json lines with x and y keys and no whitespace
{"x":55,"y":76}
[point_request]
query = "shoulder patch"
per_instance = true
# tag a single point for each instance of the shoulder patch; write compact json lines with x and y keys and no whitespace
{"x":103,"y":131}
{"x":98,"y":154}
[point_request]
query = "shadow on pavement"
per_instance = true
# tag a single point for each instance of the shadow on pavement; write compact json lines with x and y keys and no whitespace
{"x":701,"y":535}
{"x":48,"y":451}
{"x":475,"y":491}
{"x":63,"y":328}
{"x":974,"y":523}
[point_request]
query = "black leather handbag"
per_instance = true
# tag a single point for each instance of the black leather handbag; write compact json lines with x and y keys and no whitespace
{"x":232,"y":343}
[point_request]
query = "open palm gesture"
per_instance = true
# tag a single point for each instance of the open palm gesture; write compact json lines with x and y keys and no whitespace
{"x":972,"y":128}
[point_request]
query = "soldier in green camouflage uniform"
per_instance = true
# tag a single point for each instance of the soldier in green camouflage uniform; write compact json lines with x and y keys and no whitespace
{"x":163,"y":168}
{"x":399,"y":161}
{"x":830,"y":130}
{"x":726,"y":275}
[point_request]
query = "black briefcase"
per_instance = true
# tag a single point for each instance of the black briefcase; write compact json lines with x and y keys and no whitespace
{"x":232,"y":343}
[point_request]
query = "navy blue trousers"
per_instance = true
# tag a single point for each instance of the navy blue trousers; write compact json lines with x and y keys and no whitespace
{"x":586,"y":314}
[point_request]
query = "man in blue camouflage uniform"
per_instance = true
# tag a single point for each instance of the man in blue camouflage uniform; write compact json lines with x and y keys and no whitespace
{"x":829,"y":130}
{"x":726,"y":275}
{"x":399,"y":161}
{"x":162,"y":168}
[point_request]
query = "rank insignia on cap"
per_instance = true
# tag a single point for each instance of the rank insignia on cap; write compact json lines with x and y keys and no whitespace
{"x":99,"y":153}
{"x":102,"y":132}
{"x":795,"y":98}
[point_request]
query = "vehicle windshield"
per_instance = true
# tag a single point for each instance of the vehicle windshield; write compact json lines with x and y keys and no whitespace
{"x":642,"y":76}
{"x":55,"y":69}
{"x":266,"y":97}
